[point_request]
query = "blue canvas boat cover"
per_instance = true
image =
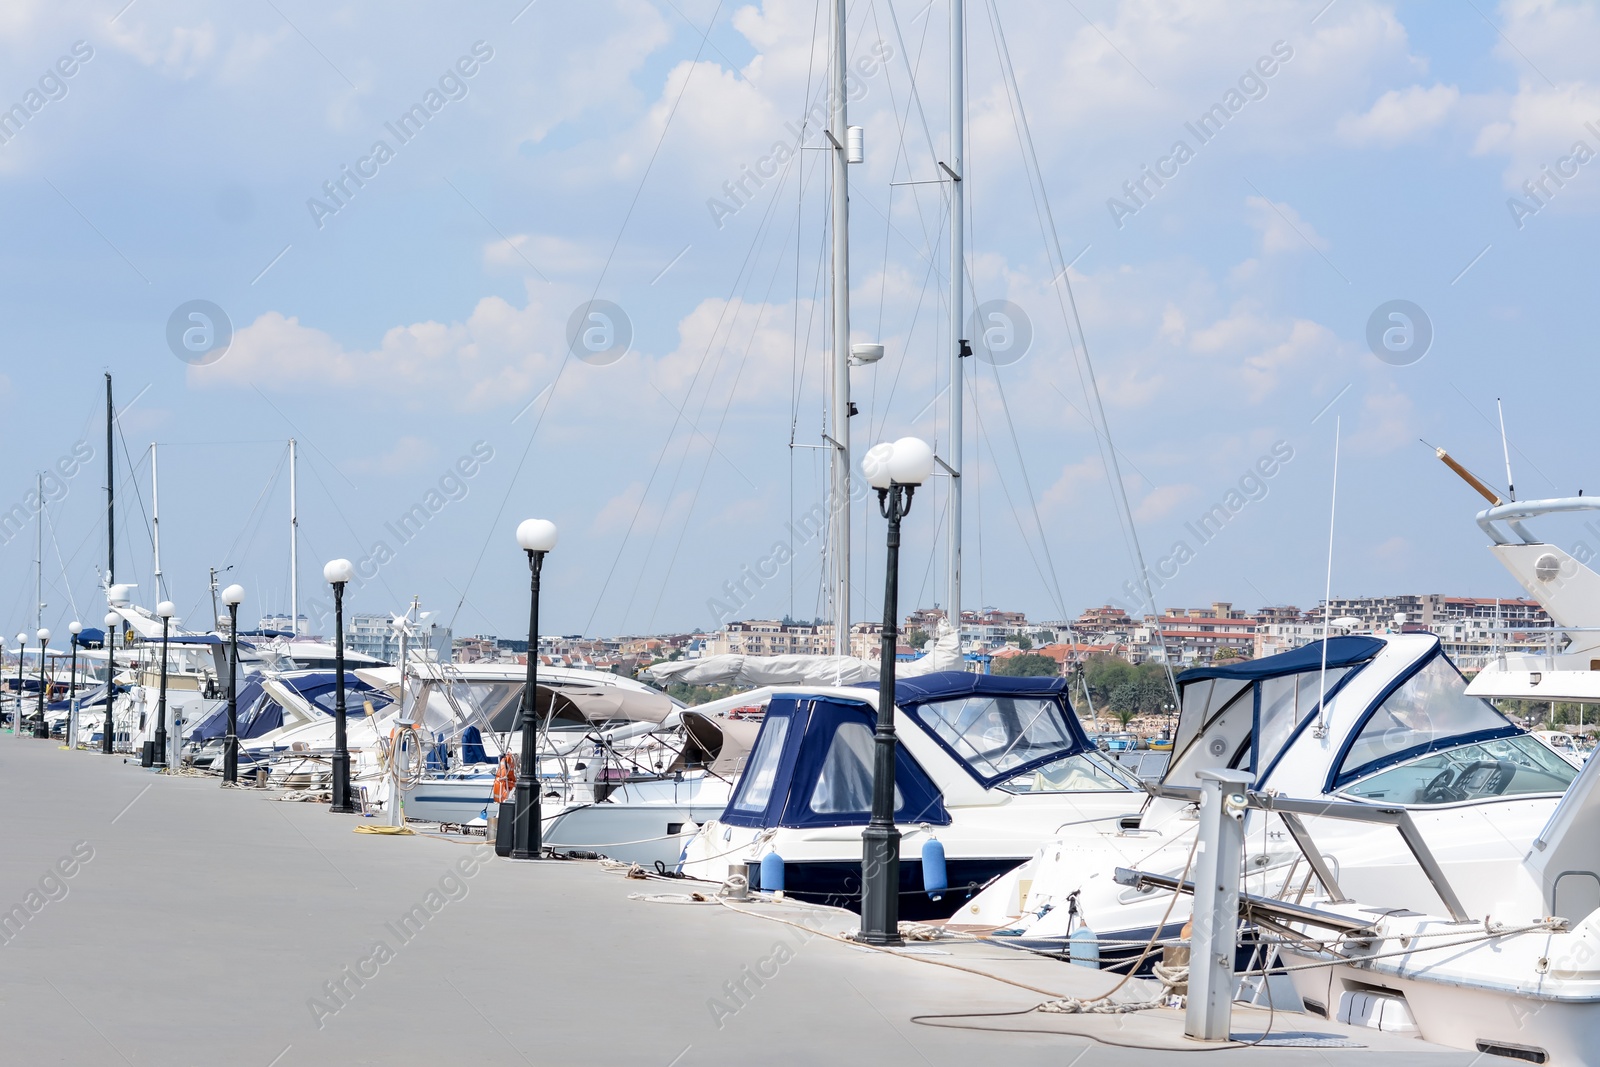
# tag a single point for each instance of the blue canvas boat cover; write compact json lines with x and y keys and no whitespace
{"x":1342,"y":652}
{"x":812,"y":766}
{"x":945,"y":685}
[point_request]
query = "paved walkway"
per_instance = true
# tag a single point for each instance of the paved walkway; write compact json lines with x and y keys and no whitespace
{"x":168,"y":921}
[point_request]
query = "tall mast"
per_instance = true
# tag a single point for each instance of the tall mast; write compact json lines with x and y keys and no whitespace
{"x":294,"y":549}
{"x":111,"y":558}
{"x":956,"y":168}
{"x":839,"y":409}
{"x":111,"y":491}
{"x":38,"y":562}
{"x":155,"y":519}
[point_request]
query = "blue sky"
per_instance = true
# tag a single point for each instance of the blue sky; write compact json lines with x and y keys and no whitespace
{"x":1226,"y":316}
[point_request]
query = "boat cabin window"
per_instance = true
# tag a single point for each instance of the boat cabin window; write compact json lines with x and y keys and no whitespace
{"x":1286,"y":702}
{"x":1507,"y":766}
{"x":845,"y":781}
{"x":498,"y":702}
{"x":1086,"y":772}
{"x":1431,"y":707}
{"x":994,"y":734}
{"x":761,"y":772}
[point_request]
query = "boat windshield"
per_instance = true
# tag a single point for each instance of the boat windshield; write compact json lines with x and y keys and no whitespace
{"x":1508,"y":766}
{"x":1086,"y":772}
{"x":996,"y":734}
{"x":761,"y":772}
{"x":845,"y":783}
{"x":1424,"y":713}
{"x":1286,"y":702}
{"x":498,"y":702}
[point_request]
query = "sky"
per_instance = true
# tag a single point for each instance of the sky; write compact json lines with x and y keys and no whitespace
{"x":570,"y":262}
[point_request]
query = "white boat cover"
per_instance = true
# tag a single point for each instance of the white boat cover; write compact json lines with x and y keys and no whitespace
{"x":942,"y":655}
{"x":612,"y":702}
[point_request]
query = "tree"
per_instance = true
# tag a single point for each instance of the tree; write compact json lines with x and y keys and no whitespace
{"x":1027,"y":665}
{"x":917,"y":639}
{"x":1104,"y":674}
{"x":1124,"y":702}
{"x":1024,"y":642}
{"x":1155,"y":693}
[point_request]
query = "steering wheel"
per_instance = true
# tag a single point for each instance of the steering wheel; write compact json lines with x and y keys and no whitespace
{"x":1441,"y":790}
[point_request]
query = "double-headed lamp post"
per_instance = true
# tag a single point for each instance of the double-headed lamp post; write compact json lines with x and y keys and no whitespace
{"x":40,"y":728}
{"x":337,"y":573}
{"x":232,"y":596}
{"x":536,"y":537}
{"x":894,"y":470}
{"x":166,"y":609}
{"x":74,"y":628}
{"x":108,"y":737}
{"x":22,"y":650}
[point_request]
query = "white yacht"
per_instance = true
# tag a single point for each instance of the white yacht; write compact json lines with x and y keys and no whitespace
{"x":986,"y":766}
{"x":1504,"y":958}
{"x":1396,"y":729}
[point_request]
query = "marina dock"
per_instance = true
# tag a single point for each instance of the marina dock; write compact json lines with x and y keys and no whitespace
{"x":156,"y":919}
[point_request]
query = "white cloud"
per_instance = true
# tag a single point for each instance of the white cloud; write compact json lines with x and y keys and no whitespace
{"x":1163,"y":501}
{"x":1282,"y":228}
{"x":1386,"y":422}
{"x":1400,"y":115}
{"x":1265,"y":349}
{"x":1539,"y":126}
{"x":550,"y":255}
{"x":408,"y":452}
{"x":499,"y":355}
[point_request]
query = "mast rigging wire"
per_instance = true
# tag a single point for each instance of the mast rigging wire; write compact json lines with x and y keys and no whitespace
{"x":1069,"y":308}
{"x":731,"y":302}
{"x":566,"y":359}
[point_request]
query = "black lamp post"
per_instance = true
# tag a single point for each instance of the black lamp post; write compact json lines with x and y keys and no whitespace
{"x":74,"y":628}
{"x":107,"y":738}
{"x":165,"y":609}
{"x":894,"y":471}
{"x":22,"y":649}
{"x":337,"y":573}
{"x":39,"y":728}
{"x":536,"y":537}
{"x":232,"y":596}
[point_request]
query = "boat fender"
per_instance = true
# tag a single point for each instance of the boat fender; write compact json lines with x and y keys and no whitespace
{"x":772,"y":873}
{"x":935,"y":880}
{"x":1083,"y":948}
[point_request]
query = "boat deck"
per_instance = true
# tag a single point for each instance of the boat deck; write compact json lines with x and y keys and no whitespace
{"x":201,"y":925}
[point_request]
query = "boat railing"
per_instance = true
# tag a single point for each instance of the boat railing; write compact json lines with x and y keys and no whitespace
{"x":1293,"y":811}
{"x":1514,"y":512}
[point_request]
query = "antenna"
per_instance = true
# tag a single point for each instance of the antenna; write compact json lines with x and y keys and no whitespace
{"x":1468,"y":477}
{"x":294,"y":547}
{"x":1505,"y":449}
{"x":1327,"y":596}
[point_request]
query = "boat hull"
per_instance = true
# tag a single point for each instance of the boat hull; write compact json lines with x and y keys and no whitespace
{"x":837,"y":883}
{"x":645,"y":834}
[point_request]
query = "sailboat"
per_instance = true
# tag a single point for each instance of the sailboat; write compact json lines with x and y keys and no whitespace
{"x":987,"y":767}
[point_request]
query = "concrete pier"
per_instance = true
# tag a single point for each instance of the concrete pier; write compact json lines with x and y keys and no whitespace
{"x":155,"y":920}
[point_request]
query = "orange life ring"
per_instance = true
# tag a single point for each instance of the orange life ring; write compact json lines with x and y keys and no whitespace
{"x":505,"y":779}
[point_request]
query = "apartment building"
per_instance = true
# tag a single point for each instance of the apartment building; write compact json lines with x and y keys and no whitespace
{"x":1194,"y":635}
{"x":769,"y":637}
